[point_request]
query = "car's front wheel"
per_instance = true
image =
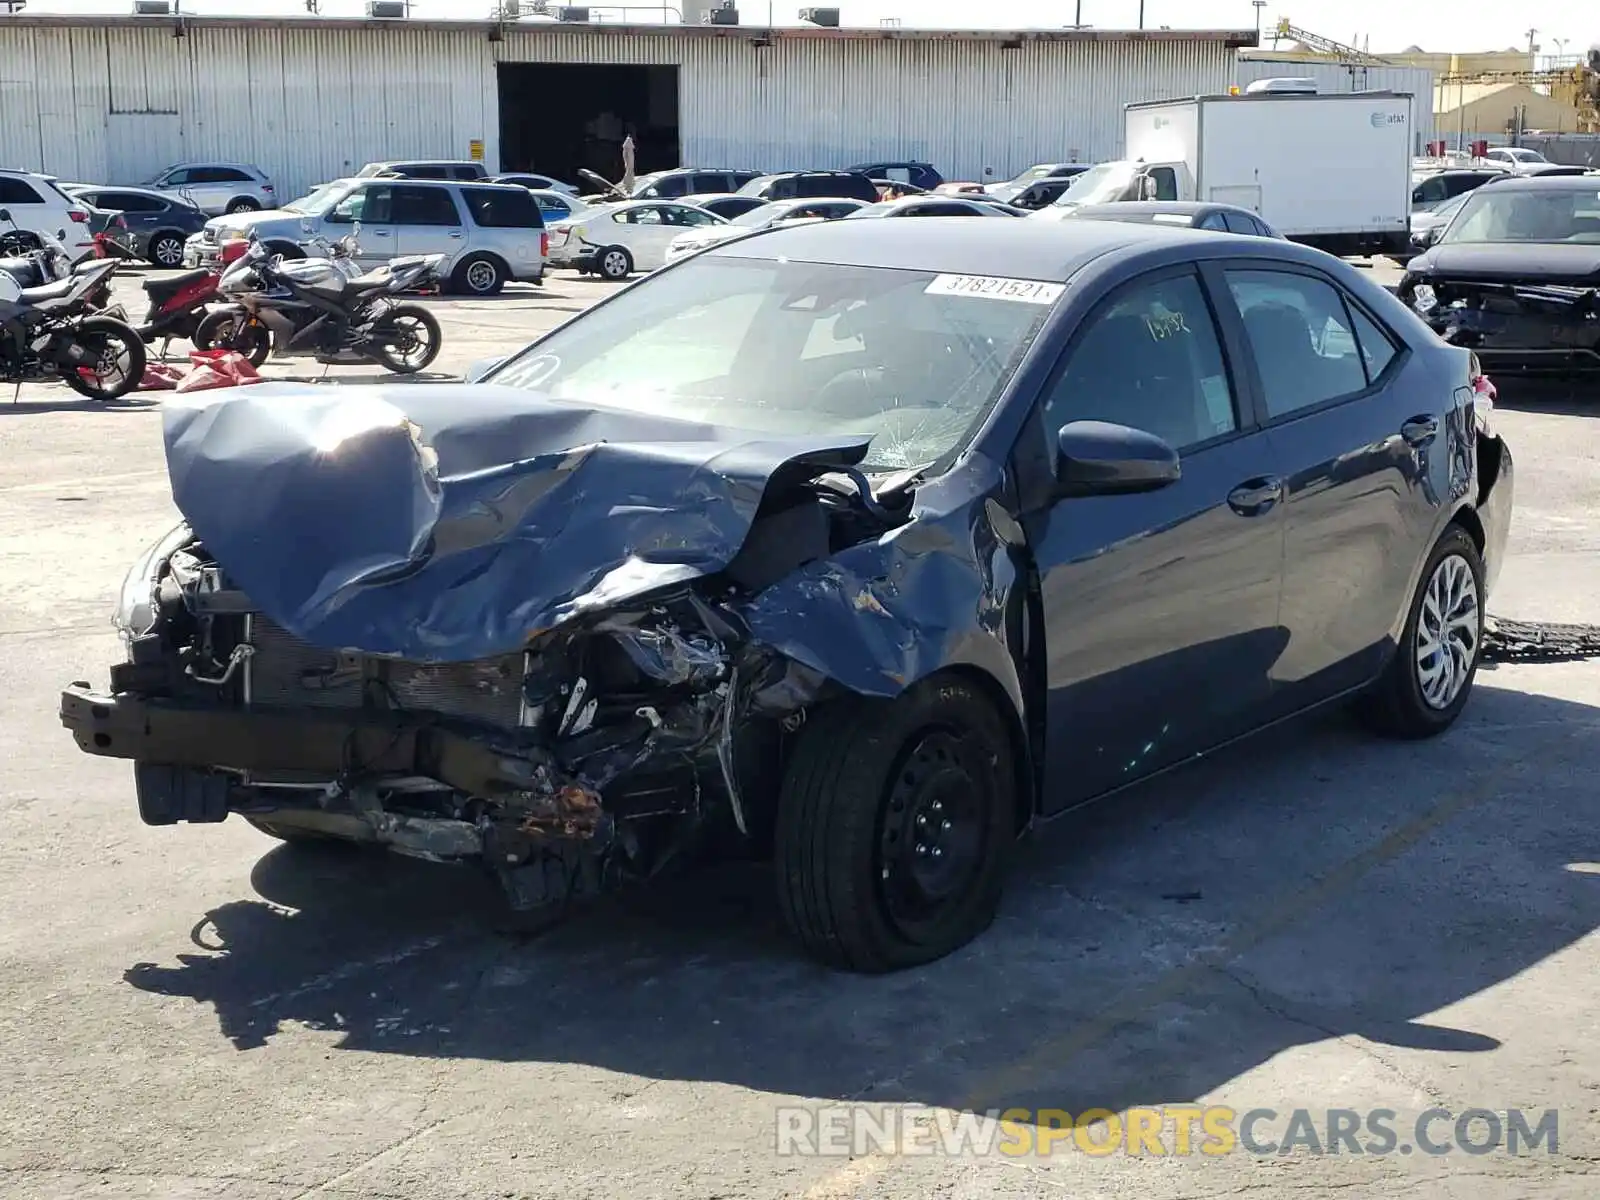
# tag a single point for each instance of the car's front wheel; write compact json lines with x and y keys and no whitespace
{"x":1430,"y":677}
{"x":894,"y":826}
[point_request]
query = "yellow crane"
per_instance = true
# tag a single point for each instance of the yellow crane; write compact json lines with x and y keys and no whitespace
{"x":1322,"y":45}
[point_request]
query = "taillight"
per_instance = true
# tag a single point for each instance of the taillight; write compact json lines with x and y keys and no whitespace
{"x":544,"y":244}
{"x":267,"y":188}
{"x":78,"y":216}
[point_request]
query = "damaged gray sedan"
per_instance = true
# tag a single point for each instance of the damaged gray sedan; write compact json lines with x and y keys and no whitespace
{"x":863,"y":546}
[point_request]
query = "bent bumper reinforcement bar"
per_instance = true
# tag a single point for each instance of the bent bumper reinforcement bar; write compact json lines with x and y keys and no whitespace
{"x":339,"y":745}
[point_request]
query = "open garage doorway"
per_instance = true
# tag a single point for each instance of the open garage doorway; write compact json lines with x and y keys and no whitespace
{"x":557,"y":117}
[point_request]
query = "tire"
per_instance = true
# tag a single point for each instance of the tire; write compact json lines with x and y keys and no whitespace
{"x":406,"y":325}
{"x":1401,"y":703}
{"x":613,"y":263}
{"x":165,"y":250}
{"x":107,"y":330}
{"x":244,"y":204}
{"x":478,"y":275}
{"x":867,"y":782}
{"x":231,"y":330}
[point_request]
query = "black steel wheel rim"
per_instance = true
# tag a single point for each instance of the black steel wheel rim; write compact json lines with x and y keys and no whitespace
{"x":932,"y":842}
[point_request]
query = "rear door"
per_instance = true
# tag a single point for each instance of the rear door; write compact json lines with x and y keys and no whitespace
{"x":506,"y":223}
{"x":427,"y":220}
{"x":1161,"y":608}
{"x":1359,"y":503}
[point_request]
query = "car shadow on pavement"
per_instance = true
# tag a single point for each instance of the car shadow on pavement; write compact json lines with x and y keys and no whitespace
{"x":1316,"y":884}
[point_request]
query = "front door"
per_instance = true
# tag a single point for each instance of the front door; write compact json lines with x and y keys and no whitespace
{"x":427,"y":220}
{"x":1357,"y":509}
{"x":1161,"y":608}
{"x":373,"y":205}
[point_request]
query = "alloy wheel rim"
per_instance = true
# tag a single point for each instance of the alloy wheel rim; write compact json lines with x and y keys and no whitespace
{"x":169,"y":252}
{"x":615,"y":264}
{"x":1449,"y":630}
{"x":481,"y":276}
{"x":409,"y":340}
{"x":110,"y":364}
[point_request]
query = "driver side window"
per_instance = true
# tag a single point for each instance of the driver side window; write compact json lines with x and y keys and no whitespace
{"x":1166,"y":182}
{"x":369,"y":205}
{"x":1150,"y":357}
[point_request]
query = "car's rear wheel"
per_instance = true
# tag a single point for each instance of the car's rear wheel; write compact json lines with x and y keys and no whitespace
{"x":478,"y":275}
{"x":614,"y":263}
{"x":1430,"y":677}
{"x":166,"y":250}
{"x":894,"y":827}
{"x":244,"y":204}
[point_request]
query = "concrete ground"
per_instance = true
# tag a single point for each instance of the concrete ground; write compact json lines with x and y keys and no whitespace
{"x":1319,"y":920}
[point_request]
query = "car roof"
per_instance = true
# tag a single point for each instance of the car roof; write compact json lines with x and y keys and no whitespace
{"x":1187,"y":208}
{"x":1545,"y":183}
{"x":212,"y":162}
{"x":1022,"y":249}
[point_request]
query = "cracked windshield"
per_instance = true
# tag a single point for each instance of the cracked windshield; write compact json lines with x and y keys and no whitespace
{"x":796,"y":348}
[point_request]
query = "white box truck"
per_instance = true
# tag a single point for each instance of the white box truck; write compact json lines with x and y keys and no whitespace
{"x":1332,"y":170}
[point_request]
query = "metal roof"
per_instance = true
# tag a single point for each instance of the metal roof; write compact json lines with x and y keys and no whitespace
{"x":761,"y":33}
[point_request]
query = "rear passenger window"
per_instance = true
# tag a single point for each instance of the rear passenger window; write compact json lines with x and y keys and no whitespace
{"x":1239,"y":223}
{"x":508,"y":208}
{"x":1301,"y":336}
{"x":1152,"y":360}
{"x":467,"y":173}
{"x":17,"y":191}
{"x":424,"y":206}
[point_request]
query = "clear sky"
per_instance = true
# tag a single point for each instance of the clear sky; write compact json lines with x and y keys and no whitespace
{"x":1441,"y":25}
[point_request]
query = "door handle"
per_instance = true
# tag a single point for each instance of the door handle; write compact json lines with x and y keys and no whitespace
{"x":455,"y":233}
{"x":380,"y":233}
{"x":1419,"y":431}
{"x":1255,"y":496}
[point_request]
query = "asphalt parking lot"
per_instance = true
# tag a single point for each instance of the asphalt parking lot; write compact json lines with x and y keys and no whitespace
{"x":1317,"y":921}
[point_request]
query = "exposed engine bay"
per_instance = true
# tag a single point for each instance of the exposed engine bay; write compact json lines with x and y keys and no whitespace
{"x":597,"y":753}
{"x":1515,"y":326}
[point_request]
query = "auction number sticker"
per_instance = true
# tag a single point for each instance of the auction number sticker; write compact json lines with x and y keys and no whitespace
{"x":992,"y":287}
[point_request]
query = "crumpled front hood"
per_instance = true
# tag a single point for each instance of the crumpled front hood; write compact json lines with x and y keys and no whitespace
{"x":454,"y":522}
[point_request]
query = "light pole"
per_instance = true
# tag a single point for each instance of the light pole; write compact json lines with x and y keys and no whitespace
{"x":1258,"y":5}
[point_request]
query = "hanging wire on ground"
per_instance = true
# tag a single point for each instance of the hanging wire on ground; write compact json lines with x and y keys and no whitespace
{"x":1538,"y":641}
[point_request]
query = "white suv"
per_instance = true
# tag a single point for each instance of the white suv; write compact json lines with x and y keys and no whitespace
{"x":217,"y":187}
{"x":37,"y":205}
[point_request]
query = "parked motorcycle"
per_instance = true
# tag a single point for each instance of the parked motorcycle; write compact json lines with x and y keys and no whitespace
{"x":50,"y":331}
{"x":34,"y":259}
{"x":180,"y":304}
{"x":325,"y":307}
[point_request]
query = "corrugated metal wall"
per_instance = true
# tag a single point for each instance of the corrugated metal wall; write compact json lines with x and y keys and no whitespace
{"x":1337,"y":77}
{"x":117,"y":103}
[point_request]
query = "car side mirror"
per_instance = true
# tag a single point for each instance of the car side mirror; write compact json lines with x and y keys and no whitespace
{"x":5,"y":214}
{"x":1100,"y":458}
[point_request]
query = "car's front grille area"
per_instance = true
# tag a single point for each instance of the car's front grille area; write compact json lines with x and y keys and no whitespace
{"x":285,"y":672}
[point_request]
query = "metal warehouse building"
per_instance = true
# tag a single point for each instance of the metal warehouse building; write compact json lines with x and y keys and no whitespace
{"x":113,"y":99}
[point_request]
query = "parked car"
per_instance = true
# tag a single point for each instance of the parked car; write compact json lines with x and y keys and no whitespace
{"x":1554,"y":170}
{"x":768,"y":216}
{"x":1012,"y":188}
{"x":558,"y":206}
{"x":434,"y":168}
{"x":690,"y":181}
{"x":1038,"y":195}
{"x":920,"y":175}
{"x":490,"y":233}
{"x":216,"y":187}
{"x":536,"y":183}
{"x":856,"y":545}
{"x":727,"y":205}
{"x":934,"y":205}
{"x":1427,"y":226}
{"x":1431,"y":189}
{"x":1516,"y":158}
{"x":1513,"y":276}
{"x":818,"y":184}
{"x":615,"y":240}
{"x":158,"y":226}
{"x":38,"y":206}
{"x":1190,"y":214}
